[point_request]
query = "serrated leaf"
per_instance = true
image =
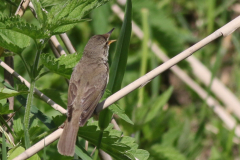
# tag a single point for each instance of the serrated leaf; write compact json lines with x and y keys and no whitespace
{"x":6,"y":93}
{"x":22,"y":87}
{"x":112,"y":142}
{"x":13,"y":41}
{"x":65,"y":25}
{"x":18,"y":128}
{"x":54,"y":66}
{"x":114,"y":108}
{"x":70,"y":60}
{"x":58,"y":120}
{"x":29,"y":30}
{"x":4,"y":108}
{"x":16,"y":24}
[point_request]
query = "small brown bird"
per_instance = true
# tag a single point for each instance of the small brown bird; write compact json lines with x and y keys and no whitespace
{"x":86,"y":87}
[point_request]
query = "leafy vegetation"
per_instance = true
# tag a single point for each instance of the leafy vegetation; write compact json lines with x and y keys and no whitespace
{"x":164,"y":120}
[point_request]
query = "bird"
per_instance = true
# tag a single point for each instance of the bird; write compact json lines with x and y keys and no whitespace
{"x":86,"y":87}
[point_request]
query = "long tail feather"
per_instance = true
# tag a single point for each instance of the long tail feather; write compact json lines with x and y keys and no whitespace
{"x":66,"y":143}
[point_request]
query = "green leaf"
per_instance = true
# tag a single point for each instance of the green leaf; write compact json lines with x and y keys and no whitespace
{"x":6,"y":93}
{"x":18,"y":128}
{"x":112,"y":141}
{"x":65,"y":25}
{"x":160,"y":152}
{"x":4,"y":108}
{"x":114,"y":108}
{"x":119,"y":63}
{"x":63,"y":65}
{"x":59,"y":120}
{"x":70,"y":60}
{"x":18,"y":150}
{"x":104,"y":119}
{"x":18,"y":25}
{"x":13,"y":41}
{"x":140,"y":154}
{"x":82,"y":153}
{"x":15,"y":152}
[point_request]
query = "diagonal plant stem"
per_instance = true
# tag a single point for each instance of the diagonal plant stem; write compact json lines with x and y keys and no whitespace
{"x":22,"y":7}
{"x":55,"y":51}
{"x":67,"y":43}
{"x":57,"y":45}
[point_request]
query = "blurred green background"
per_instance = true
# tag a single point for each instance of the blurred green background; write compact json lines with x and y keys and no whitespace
{"x":170,"y":120}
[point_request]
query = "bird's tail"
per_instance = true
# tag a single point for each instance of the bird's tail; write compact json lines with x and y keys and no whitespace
{"x":66,"y":143}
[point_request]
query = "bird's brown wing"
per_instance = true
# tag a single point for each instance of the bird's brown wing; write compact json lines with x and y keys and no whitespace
{"x":92,"y":97}
{"x":72,"y":93}
{"x":85,"y":100}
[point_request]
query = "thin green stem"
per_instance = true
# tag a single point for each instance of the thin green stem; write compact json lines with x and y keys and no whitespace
{"x":27,"y":114}
{"x":25,"y":64}
{"x":144,"y":53}
{"x":37,"y":57}
{"x":35,"y":64}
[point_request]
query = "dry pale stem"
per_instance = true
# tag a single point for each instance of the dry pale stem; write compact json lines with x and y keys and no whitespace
{"x":22,"y":7}
{"x":67,"y":43}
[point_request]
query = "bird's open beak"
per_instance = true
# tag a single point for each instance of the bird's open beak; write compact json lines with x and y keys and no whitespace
{"x":111,"y":41}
